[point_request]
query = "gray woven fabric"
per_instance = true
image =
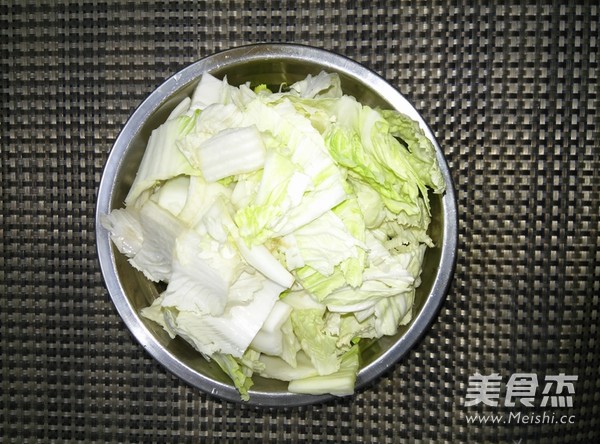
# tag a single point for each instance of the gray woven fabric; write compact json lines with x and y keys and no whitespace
{"x":511,"y":92}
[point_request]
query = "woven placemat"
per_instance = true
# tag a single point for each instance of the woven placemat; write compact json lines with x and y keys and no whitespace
{"x":511,"y":93}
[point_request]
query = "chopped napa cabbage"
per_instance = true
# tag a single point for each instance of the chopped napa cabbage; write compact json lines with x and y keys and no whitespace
{"x":277,"y":368}
{"x":422,"y":152}
{"x":241,"y":369}
{"x":200,"y":198}
{"x":291,"y":346}
{"x":263,"y":260}
{"x":353,"y":329}
{"x":322,"y":85}
{"x":162,"y":159}
{"x":286,"y":224}
{"x":362,"y":141}
{"x":231,"y":332}
{"x":269,"y":338}
{"x":321,"y":347}
{"x":370,"y":204}
{"x":244,"y":147}
{"x":203,"y":272}
{"x":182,"y":108}
{"x":324,"y":243}
{"x":384,"y":277}
{"x":173,"y":194}
{"x":353,"y":267}
{"x":160,"y":230}
{"x":339,"y":383}
{"x":300,"y":181}
{"x":125,"y":230}
{"x":211,"y":90}
{"x":155,"y":313}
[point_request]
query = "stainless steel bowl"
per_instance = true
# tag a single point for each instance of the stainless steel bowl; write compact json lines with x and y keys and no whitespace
{"x":271,"y":64}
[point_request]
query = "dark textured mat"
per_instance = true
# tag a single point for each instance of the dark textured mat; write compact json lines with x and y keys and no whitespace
{"x":511,"y":92}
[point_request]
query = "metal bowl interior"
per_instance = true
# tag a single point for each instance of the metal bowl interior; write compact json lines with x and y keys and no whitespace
{"x":130,"y":291}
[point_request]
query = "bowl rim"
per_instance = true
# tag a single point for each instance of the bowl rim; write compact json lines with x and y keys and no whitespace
{"x":215,"y":62}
